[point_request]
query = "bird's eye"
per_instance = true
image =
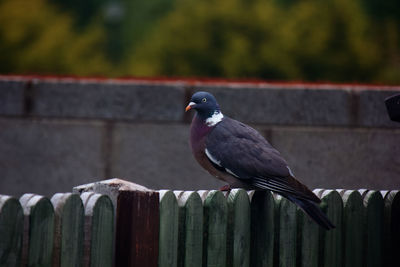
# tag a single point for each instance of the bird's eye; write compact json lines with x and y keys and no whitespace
{"x":204,"y":100}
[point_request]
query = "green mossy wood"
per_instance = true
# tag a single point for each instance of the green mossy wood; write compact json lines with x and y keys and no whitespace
{"x":262,"y":228}
{"x":69,"y":234}
{"x":287,"y":232}
{"x":168,"y":239}
{"x":332,"y":252}
{"x":11,"y":230}
{"x":195,"y":229}
{"x":353,"y":228}
{"x":190,"y":250}
{"x":99,"y":230}
{"x":39,"y":230}
{"x":308,"y":236}
{"x":373,"y":202}
{"x":392,"y":228}
{"x":238,"y":235}
{"x":215,"y":224}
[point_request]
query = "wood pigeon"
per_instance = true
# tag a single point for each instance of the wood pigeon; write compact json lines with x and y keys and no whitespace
{"x":237,"y":154}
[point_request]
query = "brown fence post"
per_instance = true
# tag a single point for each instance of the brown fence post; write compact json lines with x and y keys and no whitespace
{"x":137,"y":220}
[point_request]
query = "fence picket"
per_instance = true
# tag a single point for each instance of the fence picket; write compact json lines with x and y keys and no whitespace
{"x":39,"y":230}
{"x":168,"y":236}
{"x":353,"y":228}
{"x":11,"y":230}
{"x":392,"y":228}
{"x":69,"y":234}
{"x":308,"y":236}
{"x":262,"y":228}
{"x":287,"y":232}
{"x":238,"y":236}
{"x":99,"y":230}
{"x":332,"y":252}
{"x":215,"y":223}
{"x":373,"y":202}
{"x":203,"y":228}
{"x":190,"y":250}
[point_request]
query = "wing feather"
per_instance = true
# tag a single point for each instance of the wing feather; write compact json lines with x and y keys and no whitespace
{"x":240,"y":149}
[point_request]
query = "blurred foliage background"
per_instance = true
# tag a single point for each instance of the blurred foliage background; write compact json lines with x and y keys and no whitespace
{"x":309,"y":40}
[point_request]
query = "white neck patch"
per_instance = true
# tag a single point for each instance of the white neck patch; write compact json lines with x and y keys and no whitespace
{"x":214,"y":119}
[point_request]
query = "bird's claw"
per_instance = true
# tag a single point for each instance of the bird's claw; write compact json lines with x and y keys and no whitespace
{"x":226,"y":187}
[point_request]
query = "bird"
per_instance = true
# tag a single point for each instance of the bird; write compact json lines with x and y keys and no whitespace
{"x":239,"y":155}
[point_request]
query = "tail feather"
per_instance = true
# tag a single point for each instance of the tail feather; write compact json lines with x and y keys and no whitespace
{"x":313,"y":211}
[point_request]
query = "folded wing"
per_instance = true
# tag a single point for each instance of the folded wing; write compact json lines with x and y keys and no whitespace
{"x":241,"y":151}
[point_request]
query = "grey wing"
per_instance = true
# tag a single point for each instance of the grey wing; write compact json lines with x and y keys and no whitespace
{"x":244,"y":151}
{"x":241,"y":151}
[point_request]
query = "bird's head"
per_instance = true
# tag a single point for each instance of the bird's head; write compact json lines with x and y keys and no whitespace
{"x":204,"y":103}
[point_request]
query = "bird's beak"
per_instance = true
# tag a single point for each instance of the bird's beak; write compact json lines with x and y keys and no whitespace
{"x":190,"y":106}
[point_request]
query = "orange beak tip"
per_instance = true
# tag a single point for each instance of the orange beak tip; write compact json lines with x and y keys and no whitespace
{"x":189,"y":107}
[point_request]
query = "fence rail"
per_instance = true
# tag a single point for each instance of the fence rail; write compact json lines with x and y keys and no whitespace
{"x":119,"y":224}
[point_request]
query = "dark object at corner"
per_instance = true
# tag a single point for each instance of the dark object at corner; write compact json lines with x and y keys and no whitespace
{"x":393,"y":107}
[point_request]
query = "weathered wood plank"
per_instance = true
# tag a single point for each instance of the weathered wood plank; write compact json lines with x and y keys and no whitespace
{"x":215,"y":224}
{"x":11,"y":231}
{"x":238,"y":235}
{"x":308,"y":236}
{"x":181,"y":228}
{"x":69,"y":233}
{"x":190,"y":250}
{"x":39,"y":230}
{"x":262,"y":228}
{"x":168,"y":239}
{"x":137,"y":220}
{"x":332,"y":239}
{"x":392,"y":228}
{"x":137,"y":229}
{"x":353,"y":228}
{"x":287,"y":233}
{"x":373,"y":202}
{"x":99,"y":230}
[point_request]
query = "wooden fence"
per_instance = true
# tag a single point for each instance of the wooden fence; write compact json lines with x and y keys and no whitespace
{"x":203,"y":228}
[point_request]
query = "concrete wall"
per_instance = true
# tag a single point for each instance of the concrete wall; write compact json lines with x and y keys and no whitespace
{"x":59,"y":133}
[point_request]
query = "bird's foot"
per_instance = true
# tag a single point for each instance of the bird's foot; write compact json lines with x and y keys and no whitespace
{"x":226,"y":187}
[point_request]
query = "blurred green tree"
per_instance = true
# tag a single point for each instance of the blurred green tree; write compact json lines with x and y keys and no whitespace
{"x":311,"y":40}
{"x":308,"y":40}
{"x":125,"y":22}
{"x":36,"y":37}
{"x":83,"y":12}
